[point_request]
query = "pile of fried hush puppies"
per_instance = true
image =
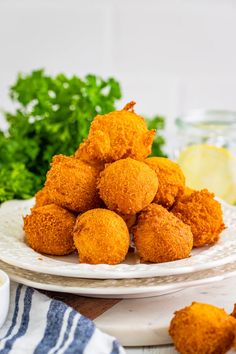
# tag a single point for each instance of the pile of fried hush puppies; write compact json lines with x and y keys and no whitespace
{"x":110,"y":192}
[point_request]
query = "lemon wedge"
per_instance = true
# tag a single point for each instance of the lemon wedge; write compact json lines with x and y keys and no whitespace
{"x":211,"y":167}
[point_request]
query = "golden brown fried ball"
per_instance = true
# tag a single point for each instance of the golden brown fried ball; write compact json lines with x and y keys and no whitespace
{"x":72,"y":184}
{"x":203,"y":214}
{"x":202,"y":329}
{"x":118,"y":135}
{"x":83,"y":155}
{"x":42,"y":198}
{"x":101,"y":236}
{"x":188,"y":191}
{"x":234,"y":311}
{"x":171,"y":180}
{"x":127,"y":186}
{"x":130,"y":220}
{"x":49,"y":229}
{"x":161,"y":237}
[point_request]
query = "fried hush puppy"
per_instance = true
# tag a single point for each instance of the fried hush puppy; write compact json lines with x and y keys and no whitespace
{"x":171,"y":180}
{"x":72,"y":184}
{"x":42,"y":198}
{"x":202,"y":329}
{"x":203,"y":214}
{"x":188,"y":191}
{"x":161,"y":237}
{"x":83,"y":155}
{"x":49,"y":230}
{"x":118,"y":135}
{"x":233,"y":314}
{"x":101,"y":236}
{"x":234,"y":311}
{"x":127,"y":186}
{"x":130,"y":220}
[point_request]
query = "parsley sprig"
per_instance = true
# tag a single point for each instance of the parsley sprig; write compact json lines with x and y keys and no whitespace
{"x":53,"y":116}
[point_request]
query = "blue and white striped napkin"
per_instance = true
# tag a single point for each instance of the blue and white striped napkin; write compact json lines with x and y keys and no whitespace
{"x":39,"y":325}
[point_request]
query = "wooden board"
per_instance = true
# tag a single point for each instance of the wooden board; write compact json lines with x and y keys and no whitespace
{"x":89,"y":307}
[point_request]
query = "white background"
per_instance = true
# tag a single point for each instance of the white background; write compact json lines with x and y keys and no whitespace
{"x":170,"y":55}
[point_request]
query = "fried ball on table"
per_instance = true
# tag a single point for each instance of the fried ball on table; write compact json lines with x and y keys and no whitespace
{"x":72,"y":184}
{"x":202,"y":329}
{"x":42,"y":198}
{"x":101,"y":236}
{"x":49,"y":230}
{"x":171,"y":180}
{"x":127,"y":186}
{"x":118,"y":135}
{"x":203,"y":214}
{"x":161,"y":237}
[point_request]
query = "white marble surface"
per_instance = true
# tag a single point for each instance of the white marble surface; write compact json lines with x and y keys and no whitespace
{"x":151,"y":350}
{"x":144,"y":322}
{"x":157,"y":350}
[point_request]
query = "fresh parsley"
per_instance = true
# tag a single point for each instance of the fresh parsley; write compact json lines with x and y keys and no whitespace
{"x":53,"y":116}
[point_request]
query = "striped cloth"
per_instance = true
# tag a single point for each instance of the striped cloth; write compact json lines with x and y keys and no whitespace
{"x":39,"y":325}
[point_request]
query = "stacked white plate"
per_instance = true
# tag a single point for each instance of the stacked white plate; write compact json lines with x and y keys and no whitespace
{"x":129,"y":279}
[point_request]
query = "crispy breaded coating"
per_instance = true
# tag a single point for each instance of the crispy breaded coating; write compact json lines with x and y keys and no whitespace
{"x":49,"y":229}
{"x":188,"y":191}
{"x":83,"y":155}
{"x":161,"y":237}
{"x":72,"y":184}
{"x":118,"y":135}
{"x":203,"y":214}
{"x":101,"y":236}
{"x":202,"y":329}
{"x":130,"y":220}
{"x":127,"y":186}
{"x":171,"y":180}
{"x":234,"y":311}
{"x":42,"y":198}
{"x":233,"y":314}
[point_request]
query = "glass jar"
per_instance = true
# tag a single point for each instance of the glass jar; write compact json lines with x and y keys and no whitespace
{"x":205,"y":147}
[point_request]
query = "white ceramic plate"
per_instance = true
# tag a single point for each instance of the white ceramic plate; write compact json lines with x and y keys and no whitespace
{"x":118,"y":288}
{"x":14,"y":250}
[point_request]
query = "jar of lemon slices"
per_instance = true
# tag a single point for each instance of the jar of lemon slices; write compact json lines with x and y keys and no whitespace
{"x":206,"y":150}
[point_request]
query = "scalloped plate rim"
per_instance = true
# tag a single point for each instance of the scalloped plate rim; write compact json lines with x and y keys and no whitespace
{"x":153,"y":290}
{"x":105,"y":271}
